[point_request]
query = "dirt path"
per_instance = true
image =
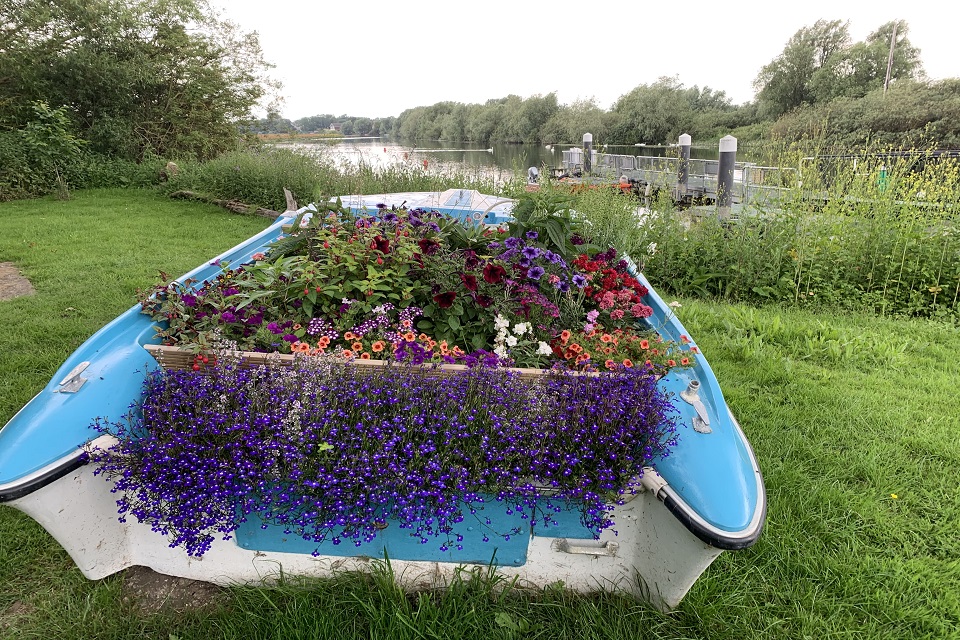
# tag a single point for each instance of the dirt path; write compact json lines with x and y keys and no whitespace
{"x":12,"y":284}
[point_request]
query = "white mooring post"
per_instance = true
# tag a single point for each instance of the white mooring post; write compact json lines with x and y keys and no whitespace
{"x":587,"y":153}
{"x":728,"y":158}
{"x":683,"y":173}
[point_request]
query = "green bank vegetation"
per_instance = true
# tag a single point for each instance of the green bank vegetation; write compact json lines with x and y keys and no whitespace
{"x":853,"y":419}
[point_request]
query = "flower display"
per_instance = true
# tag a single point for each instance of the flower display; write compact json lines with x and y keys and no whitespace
{"x":341,"y":270}
{"x":330,"y":450}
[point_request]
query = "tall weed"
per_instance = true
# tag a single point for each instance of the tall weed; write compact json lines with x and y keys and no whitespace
{"x":868,"y":233}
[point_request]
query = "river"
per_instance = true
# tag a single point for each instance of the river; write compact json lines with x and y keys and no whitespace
{"x":499,"y":162}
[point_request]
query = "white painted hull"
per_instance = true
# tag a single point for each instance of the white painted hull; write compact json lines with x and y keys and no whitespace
{"x":653,"y":557}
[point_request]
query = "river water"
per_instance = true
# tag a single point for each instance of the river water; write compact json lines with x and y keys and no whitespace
{"x":499,"y":162}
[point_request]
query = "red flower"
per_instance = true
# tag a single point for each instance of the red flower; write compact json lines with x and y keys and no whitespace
{"x":445,"y":300}
{"x":494,"y":273}
{"x":484,"y":301}
{"x":469,"y":281}
{"x":429,"y":246}
{"x":381,"y":244}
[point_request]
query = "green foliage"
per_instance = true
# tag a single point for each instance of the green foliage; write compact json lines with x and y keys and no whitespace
{"x":549,"y":214}
{"x":849,"y":245}
{"x":160,"y":77}
{"x":819,"y":64}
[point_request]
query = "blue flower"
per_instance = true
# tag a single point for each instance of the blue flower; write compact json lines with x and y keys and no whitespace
{"x":535,"y":273}
{"x":580,"y":281}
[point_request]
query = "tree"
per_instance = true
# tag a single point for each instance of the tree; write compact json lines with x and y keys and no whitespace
{"x":862,"y":67}
{"x":136,"y":77}
{"x":652,"y":114}
{"x":784,"y":83}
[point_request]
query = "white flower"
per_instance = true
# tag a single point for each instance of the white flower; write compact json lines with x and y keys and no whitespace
{"x":544,"y":349}
{"x":675,"y":305}
{"x":501,"y":322}
{"x":521,"y":328}
{"x":501,"y":351}
{"x":652,"y":248}
{"x":511,"y":341}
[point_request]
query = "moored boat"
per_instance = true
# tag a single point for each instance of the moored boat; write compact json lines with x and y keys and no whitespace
{"x":707,"y":496}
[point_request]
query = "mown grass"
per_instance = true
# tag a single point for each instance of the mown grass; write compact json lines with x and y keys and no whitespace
{"x":845,"y":412}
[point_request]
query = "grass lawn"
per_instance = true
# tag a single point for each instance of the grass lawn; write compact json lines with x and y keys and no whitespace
{"x":855,"y":421}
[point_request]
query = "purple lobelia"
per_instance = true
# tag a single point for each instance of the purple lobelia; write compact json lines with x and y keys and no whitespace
{"x":332,"y":451}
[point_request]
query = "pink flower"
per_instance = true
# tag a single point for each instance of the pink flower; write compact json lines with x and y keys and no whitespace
{"x":607,"y":301}
{"x":641,"y":310}
{"x":259,"y":255}
{"x":616,"y":314}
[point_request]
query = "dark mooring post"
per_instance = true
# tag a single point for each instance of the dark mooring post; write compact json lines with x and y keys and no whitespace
{"x":683,"y":173}
{"x":587,"y":153}
{"x":728,"y":158}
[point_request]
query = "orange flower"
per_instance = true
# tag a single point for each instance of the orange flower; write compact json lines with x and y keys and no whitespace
{"x":349,"y":336}
{"x":605,"y":338}
{"x":684,"y":339}
{"x":347,"y":353}
{"x":694,"y":349}
{"x":406,"y":324}
{"x":684,"y":361}
{"x":629,"y":364}
{"x":377,"y":346}
{"x":592,"y":333}
{"x":610,"y":364}
{"x":443,"y":346}
{"x":423,"y":337}
{"x":608,"y":350}
{"x":564,"y":336}
{"x":576,"y":348}
{"x":364,"y":356}
{"x":644,"y":344}
{"x":409,"y":336}
{"x":457,"y":351}
{"x":297,"y":327}
{"x":357,"y":346}
{"x":323,"y":342}
{"x":671,"y":363}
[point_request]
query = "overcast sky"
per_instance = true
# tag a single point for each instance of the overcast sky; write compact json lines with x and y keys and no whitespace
{"x":375,"y":58}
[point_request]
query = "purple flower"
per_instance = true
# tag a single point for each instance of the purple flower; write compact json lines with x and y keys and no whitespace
{"x":535,"y":273}
{"x":273,"y":327}
{"x":579,"y":280}
{"x":531,"y":253}
{"x":531,"y":235}
{"x":228,"y":317}
{"x":512,"y":243}
{"x":289,"y":337}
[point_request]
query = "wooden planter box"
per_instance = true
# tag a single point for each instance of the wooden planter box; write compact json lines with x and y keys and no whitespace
{"x":180,"y":358}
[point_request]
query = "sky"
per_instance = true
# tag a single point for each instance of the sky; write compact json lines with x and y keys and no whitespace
{"x":376,"y":58}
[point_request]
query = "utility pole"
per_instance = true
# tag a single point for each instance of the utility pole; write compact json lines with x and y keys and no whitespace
{"x":893,"y":42}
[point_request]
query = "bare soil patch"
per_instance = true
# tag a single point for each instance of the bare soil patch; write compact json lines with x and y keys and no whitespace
{"x":148,"y":592}
{"x":12,"y":283}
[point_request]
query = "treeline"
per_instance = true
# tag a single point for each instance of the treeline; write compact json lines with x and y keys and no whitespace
{"x":823,"y":88}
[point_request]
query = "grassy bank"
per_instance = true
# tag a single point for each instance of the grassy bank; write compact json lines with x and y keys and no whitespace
{"x":854,"y":420}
